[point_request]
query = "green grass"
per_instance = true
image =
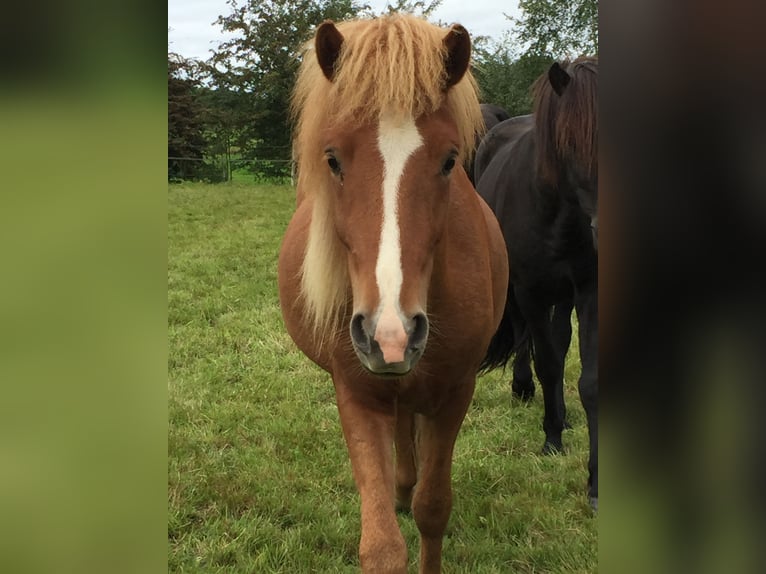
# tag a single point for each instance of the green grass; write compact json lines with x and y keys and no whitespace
{"x":258,"y":475}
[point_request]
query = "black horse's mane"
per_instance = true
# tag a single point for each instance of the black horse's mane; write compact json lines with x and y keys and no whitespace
{"x":567,"y":125}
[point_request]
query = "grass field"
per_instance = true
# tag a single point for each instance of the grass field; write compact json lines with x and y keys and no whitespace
{"x":258,"y":475}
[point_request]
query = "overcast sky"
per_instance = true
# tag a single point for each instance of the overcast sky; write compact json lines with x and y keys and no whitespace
{"x":192,"y":33}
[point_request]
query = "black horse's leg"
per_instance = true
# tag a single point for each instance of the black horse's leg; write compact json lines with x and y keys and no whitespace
{"x":548,"y":366}
{"x":587,"y":313}
{"x":562,"y":337}
{"x":522,"y":386}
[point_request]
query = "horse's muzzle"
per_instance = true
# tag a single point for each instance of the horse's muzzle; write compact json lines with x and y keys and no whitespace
{"x":373,"y":354}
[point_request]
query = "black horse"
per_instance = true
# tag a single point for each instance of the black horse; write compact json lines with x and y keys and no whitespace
{"x":503,"y":132}
{"x":507,"y":133}
{"x":539,"y":174}
{"x":492,"y":116}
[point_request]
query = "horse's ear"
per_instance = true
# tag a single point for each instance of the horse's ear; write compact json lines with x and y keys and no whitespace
{"x":457,"y":43}
{"x":327,"y":44}
{"x":559,"y":78}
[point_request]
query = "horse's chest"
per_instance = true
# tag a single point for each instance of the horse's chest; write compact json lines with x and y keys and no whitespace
{"x":426,"y":395}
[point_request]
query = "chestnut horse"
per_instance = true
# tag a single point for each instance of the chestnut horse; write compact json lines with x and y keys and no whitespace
{"x":393,"y":271}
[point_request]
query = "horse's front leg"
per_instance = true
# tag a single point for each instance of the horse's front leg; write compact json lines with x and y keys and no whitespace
{"x":549,"y":366}
{"x":432,"y":502}
{"x":368,"y":427}
{"x":406,"y":458}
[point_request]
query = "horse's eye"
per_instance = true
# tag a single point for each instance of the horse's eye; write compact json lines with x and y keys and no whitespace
{"x":334,"y":165}
{"x":448,"y":165}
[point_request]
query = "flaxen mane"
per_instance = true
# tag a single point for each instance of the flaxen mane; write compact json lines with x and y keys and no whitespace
{"x":567,"y":125}
{"x":394,"y":63}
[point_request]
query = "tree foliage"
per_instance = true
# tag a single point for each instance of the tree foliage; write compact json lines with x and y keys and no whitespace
{"x":260,"y":64}
{"x":547,"y":30}
{"x":185,"y":138}
{"x":200,"y":123}
{"x":423,"y":8}
{"x":558,"y":28}
{"x":187,"y":143}
{"x":505,"y":78}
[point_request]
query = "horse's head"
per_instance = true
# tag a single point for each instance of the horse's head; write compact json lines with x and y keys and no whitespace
{"x":571,"y":112}
{"x":388,"y":181}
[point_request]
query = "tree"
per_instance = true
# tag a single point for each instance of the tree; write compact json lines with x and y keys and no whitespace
{"x":260,"y":66}
{"x":558,"y":28}
{"x":548,"y":30}
{"x":197,"y":122}
{"x":422,"y":8}
{"x":221,"y":116}
{"x":185,"y":129}
{"x":505,"y":78}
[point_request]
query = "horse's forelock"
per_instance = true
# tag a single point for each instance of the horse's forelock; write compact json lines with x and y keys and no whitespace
{"x":567,"y":125}
{"x":394,"y":63}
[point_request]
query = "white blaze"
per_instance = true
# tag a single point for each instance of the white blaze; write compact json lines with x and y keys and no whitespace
{"x":398,"y":138}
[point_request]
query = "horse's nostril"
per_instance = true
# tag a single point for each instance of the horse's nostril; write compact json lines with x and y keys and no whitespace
{"x":419,"y":332}
{"x":358,"y":335}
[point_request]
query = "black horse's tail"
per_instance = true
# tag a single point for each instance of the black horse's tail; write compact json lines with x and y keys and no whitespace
{"x":511,"y":336}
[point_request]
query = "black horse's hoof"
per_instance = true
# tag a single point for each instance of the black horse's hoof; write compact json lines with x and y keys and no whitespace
{"x":525,"y":394}
{"x":594,"y":503}
{"x":552,"y":448}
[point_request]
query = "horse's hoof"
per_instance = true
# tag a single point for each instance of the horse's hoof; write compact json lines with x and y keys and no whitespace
{"x":523,"y":394}
{"x":552,"y":448}
{"x":594,"y":503}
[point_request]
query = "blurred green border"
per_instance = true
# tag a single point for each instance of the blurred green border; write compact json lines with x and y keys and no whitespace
{"x":83,"y":352}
